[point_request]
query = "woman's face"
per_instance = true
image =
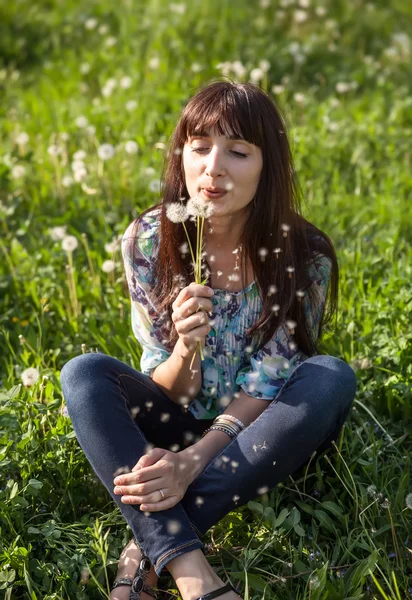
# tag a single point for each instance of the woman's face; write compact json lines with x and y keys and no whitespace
{"x":213,"y":161}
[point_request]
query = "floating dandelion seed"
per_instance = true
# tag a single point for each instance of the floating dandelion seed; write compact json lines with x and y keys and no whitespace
{"x":90,"y":23}
{"x":121,"y":471}
{"x":263,"y":252}
{"x":236,"y":499}
{"x":70,"y":243}
{"x":290,"y":270}
{"x":173,"y":527}
{"x":110,"y":42}
{"x":178,"y":151}
{"x":106,"y":151}
{"x":235,"y":465}
{"x":292,"y":345}
{"x":272,"y":290}
{"x":285,"y":229}
{"x":177,"y":213}
{"x":275,"y":308}
{"x":277,"y":251}
{"x":84,"y":68}
{"x":262,"y":490}
{"x":300,"y":16}
{"x":134,"y":412}
{"x":291,"y":326}
{"x":30,"y":376}
{"x":229,"y":186}
{"x":174,"y":448}
{"x":256,"y":75}
{"x":199,"y":501}
{"x":300,"y":294}
{"x":278,"y":89}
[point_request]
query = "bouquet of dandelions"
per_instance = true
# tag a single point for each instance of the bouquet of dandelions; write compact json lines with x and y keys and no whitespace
{"x":199,"y":211}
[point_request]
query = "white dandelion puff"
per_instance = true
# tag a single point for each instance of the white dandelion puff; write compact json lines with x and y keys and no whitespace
{"x":275,"y":308}
{"x":131,"y":105}
{"x":264,"y":65}
{"x":177,"y":213}
{"x":154,"y":185}
{"x":300,"y":16}
{"x":108,"y":266}
{"x":131,"y":147}
{"x":67,"y":181}
{"x":82,"y":121}
{"x":30,"y":376}
{"x":299,"y":98}
{"x":110,"y":41}
{"x":256,"y":75}
{"x":290,"y":270}
{"x":106,"y":151}
{"x":90,"y":24}
{"x":103,"y":29}
{"x":154,"y":62}
{"x":278,"y":89}
{"x":79,"y":155}
{"x":80,"y":174}
{"x":54,"y":150}
{"x":22,"y":139}
{"x":126,"y":82}
{"x":18,"y":171}
{"x":272,"y":290}
{"x":58,"y":233}
{"x":291,"y":325}
{"x":229,"y":186}
{"x":70,"y":243}
{"x":196,"y":207}
{"x":408,"y":501}
{"x":263,"y":252}
{"x":84,"y":68}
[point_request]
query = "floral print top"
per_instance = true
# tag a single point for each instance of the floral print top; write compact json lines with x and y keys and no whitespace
{"x":231,"y":362}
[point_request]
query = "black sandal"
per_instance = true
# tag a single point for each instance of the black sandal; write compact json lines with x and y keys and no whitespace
{"x":138,"y":584}
{"x":219,"y":592}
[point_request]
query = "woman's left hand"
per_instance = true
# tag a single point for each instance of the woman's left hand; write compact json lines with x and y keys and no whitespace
{"x":160,"y":469}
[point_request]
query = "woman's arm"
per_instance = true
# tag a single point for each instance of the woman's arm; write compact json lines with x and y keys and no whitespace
{"x":175,"y":377}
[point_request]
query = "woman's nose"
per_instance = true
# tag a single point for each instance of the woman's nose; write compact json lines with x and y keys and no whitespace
{"x":215,"y":163}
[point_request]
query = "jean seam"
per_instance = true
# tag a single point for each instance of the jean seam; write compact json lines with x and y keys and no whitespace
{"x":159,"y":560}
{"x":159,"y":392}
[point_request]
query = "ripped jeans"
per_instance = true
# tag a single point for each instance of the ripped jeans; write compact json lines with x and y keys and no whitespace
{"x":116,"y":410}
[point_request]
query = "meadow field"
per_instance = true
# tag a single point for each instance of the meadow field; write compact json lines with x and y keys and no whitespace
{"x":90,"y":93}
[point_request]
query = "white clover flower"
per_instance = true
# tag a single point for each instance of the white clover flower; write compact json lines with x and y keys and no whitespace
{"x":90,"y":24}
{"x":176,"y":212}
{"x":79,"y":155}
{"x":58,"y":233}
{"x":278,"y":89}
{"x":256,"y":75}
{"x":154,"y":185}
{"x":106,"y":151}
{"x":408,"y":501}
{"x":108,"y":266}
{"x":54,"y":150}
{"x":196,"y":207}
{"x":84,"y":68}
{"x":103,"y":29}
{"x":70,"y":243}
{"x":131,"y":105}
{"x":126,"y":82}
{"x":81,"y":121}
{"x":67,"y":181}
{"x":154,"y":62}
{"x":18,"y":171}
{"x":131,"y":147}
{"x":30,"y":376}
{"x":22,"y":139}
{"x":110,"y":42}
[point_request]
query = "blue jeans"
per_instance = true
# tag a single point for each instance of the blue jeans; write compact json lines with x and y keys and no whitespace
{"x":116,"y":413}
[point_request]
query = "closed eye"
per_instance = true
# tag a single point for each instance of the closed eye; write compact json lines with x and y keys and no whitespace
{"x":239,"y":154}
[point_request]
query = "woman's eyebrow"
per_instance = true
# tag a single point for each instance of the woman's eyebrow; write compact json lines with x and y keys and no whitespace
{"x":228,"y":137}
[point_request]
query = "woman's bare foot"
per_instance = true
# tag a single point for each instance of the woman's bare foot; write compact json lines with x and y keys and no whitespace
{"x":128,"y":562}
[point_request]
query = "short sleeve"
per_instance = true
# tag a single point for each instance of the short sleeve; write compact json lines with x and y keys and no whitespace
{"x":149,"y":328}
{"x":273,"y":364}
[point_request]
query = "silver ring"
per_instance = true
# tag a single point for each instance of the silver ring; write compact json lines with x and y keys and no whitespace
{"x":163,"y":496}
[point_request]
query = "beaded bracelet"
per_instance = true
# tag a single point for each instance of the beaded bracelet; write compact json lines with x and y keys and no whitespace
{"x":225,"y":429}
{"x":229,"y":422}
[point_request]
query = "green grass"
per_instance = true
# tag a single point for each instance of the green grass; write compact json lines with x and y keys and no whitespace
{"x":340,"y":528}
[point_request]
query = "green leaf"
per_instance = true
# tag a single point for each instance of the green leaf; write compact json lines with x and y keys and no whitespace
{"x":294,"y":516}
{"x":325,"y":520}
{"x":281,"y":517}
{"x":299,"y":529}
{"x":255,"y":507}
{"x":35,"y":483}
{"x":333,"y":508}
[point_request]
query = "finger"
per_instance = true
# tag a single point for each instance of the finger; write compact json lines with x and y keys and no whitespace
{"x":193,"y":289}
{"x":162,"y":505}
{"x":152,"y":498}
{"x":141,"y":489}
{"x":149,"y":459}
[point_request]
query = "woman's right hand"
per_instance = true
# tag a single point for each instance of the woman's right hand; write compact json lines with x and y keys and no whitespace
{"x":190,"y":316}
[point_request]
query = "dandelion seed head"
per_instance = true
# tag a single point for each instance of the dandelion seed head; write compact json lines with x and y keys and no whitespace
{"x":256,"y":75}
{"x":131,"y":105}
{"x":79,"y":155}
{"x":196,"y":207}
{"x":154,"y":186}
{"x":90,"y":23}
{"x":125,"y":82}
{"x":30,"y":376}
{"x":70,"y":243}
{"x":18,"y":171}
{"x":371,"y":490}
{"x":23,"y":138}
{"x":154,"y":62}
{"x":106,"y":151}
{"x":84,"y":68}
{"x":199,"y":501}
{"x":176,"y":212}
{"x":67,"y":181}
{"x":54,"y":150}
{"x":110,"y":41}
{"x":174,"y":448}
{"x":81,"y":121}
{"x":108,"y":266}
{"x":131,"y":147}
{"x":291,"y":324}
{"x":58,"y":233}
{"x":290,"y":269}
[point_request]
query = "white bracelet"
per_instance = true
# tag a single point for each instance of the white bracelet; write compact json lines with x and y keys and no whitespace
{"x":232,"y":418}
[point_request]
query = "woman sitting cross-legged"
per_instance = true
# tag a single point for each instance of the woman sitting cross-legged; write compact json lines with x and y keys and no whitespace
{"x":193,"y":435}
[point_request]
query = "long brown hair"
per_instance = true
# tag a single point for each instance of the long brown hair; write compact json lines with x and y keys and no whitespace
{"x":249,"y":113}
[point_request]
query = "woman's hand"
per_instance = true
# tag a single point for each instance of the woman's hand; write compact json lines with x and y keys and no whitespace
{"x":160,"y":469}
{"x":190,"y":317}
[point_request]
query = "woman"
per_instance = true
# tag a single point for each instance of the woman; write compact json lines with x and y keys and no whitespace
{"x":268,"y":395}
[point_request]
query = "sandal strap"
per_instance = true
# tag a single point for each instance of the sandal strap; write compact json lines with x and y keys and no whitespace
{"x":219,"y":592}
{"x":135,"y":595}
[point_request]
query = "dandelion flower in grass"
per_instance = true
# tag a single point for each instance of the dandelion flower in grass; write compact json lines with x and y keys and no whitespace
{"x":106,"y":151}
{"x":256,"y":75}
{"x":177,"y":213}
{"x":131,"y":105}
{"x":178,"y":8}
{"x":126,"y":82}
{"x":30,"y":376}
{"x":196,"y":207}
{"x":22,"y":139}
{"x":278,"y":89}
{"x":82,"y":121}
{"x":300,"y":16}
{"x":103,"y":29}
{"x":84,"y":68}
{"x":18,"y":171}
{"x":58,"y":233}
{"x":131,"y":147}
{"x":69,"y":243}
{"x":154,"y":63}
{"x":67,"y":181}
{"x":110,"y":42}
{"x":90,"y":23}
{"x":154,"y":186}
{"x":264,"y":65}
{"x":238,"y":68}
{"x":408,"y":501}
{"x":79,"y":175}
{"x":108,"y":266}
{"x":79,"y":155}
{"x":54,"y":150}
